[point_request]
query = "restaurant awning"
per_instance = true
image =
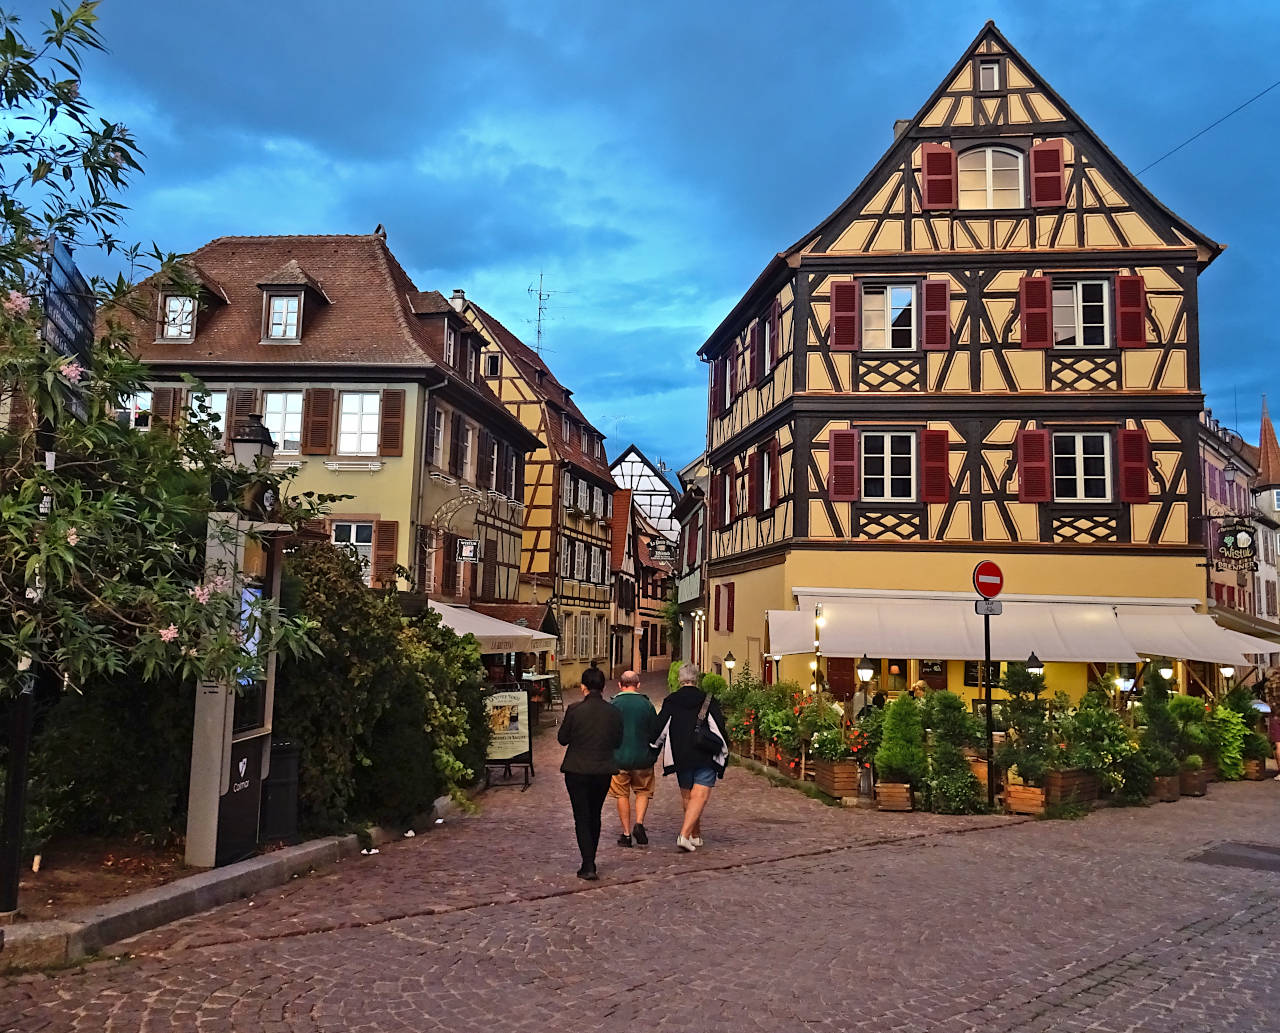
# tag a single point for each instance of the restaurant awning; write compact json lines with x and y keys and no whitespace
{"x":1183,"y":634}
{"x":495,"y":636}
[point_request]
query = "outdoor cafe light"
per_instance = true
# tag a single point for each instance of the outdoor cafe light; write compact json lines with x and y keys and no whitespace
{"x":1034,"y":665}
{"x":251,"y":441}
{"x":1227,"y":671}
{"x":818,"y":619}
{"x":729,"y":662}
{"x":777,"y":658}
{"x":865,"y":669}
{"x":813,"y":665}
{"x":1165,"y":669}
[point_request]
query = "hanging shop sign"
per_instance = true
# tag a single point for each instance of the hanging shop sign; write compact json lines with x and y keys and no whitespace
{"x":1237,"y":547}
{"x":662,"y":552}
{"x":468,"y":550}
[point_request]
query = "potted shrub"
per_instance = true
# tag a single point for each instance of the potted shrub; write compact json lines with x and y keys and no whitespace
{"x":1193,"y":780}
{"x":900,"y":761}
{"x":1255,"y":751}
{"x":1093,"y":745}
{"x":776,"y":726}
{"x":1160,"y":739}
{"x":953,"y":787}
{"x":837,"y":759}
{"x":1228,"y":732}
{"x":1191,"y":715}
{"x":1024,"y":754}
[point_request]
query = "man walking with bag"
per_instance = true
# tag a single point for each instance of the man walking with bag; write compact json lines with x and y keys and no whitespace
{"x":634,"y":758}
{"x":694,"y":745}
{"x":592,"y":730}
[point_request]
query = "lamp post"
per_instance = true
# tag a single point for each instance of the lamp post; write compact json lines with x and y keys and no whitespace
{"x":1228,"y":672}
{"x":865,"y":669}
{"x":729,"y":664}
{"x":866,"y":786}
{"x":252,"y":448}
{"x":1165,"y":669}
{"x":1034,"y":665}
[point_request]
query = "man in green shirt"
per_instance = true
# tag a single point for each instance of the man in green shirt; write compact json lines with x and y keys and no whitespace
{"x":634,"y":757}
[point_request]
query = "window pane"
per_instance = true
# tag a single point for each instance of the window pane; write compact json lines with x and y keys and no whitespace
{"x":179,"y":316}
{"x":873,"y":488}
{"x":1064,"y":315}
{"x":1003,"y":160}
{"x":284,"y":316}
{"x":364,"y":534}
{"x":1092,"y":293}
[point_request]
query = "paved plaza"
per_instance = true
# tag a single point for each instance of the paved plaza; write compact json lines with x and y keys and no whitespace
{"x":796,"y":916}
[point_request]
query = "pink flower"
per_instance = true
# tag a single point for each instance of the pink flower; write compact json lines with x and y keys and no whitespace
{"x":73,"y":539}
{"x":17,"y":303}
{"x":201,"y":593}
{"x":169,"y":634}
{"x":73,"y":371}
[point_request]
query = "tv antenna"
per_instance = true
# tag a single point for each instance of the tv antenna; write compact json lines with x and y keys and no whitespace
{"x":543,"y":295}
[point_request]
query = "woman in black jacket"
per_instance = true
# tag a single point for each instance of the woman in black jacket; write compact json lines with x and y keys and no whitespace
{"x":695,"y":766}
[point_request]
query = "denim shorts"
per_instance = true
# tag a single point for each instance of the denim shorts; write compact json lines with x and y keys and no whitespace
{"x":690,"y":777}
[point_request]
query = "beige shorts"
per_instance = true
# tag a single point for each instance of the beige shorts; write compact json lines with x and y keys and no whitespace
{"x":639,"y":782}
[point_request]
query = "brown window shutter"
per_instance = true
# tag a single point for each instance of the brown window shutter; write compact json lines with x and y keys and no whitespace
{"x":733,"y":356}
{"x":938,"y":177}
{"x":1035,"y":466}
{"x":166,"y":408}
{"x":842,"y":474}
{"x":1048,"y":182}
{"x":315,"y":529}
{"x":691,"y":541}
{"x":845,"y":325}
{"x":391,"y":431}
{"x":1035,"y":298}
{"x":728,"y":606}
{"x":1134,"y":452}
{"x":775,"y":332}
{"x":775,"y":474}
{"x":755,"y":360}
{"x":455,"y":445}
{"x":717,"y":501}
{"x":489,"y":578}
{"x":483,"y":468}
{"x":936,"y":334}
{"x":717,"y":609}
{"x":753,"y":483}
{"x":449,"y":565}
{"x":731,"y":486}
{"x":386,"y":534}
{"x":717,"y":386}
{"x":935,"y":468}
{"x":317,"y":421}
{"x":242,"y":402}
{"x":1131,"y":312}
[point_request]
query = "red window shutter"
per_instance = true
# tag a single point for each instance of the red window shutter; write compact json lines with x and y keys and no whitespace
{"x":1131,"y":312}
{"x":756,"y":360}
{"x":935,"y":468}
{"x":729,"y":593}
{"x":937,"y":315}
{"x":717,"y":501}
{"x":775,"y":474}
{"x":1035,"y":466}
{"x":1035,"y":296}
{"x":317,"y":421}
{"x":775,"y":332}
{"x":455,"y":445}
{"x":733,"y":370}
{"x":842,"y":475}
{"x":391,"y":431}
{"x":753,"y":483}
{"x":716,"y":624}
{"x":717,"y":386}
{"x":731,"y":486}
{"x":938,"y":177}
{"x":1134,"y":453}
{"x":845,"y":295}
{"x":385,"y":542}
{"x":1048,"y":182}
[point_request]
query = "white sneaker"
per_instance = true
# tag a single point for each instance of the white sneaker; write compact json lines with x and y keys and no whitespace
{"x":686,"y":844}
{"x":696,"y":841}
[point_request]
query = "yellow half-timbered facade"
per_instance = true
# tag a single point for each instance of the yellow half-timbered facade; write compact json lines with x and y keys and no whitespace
{"x":989,"y":350}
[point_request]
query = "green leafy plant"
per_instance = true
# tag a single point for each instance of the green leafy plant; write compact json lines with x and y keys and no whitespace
{"x":1135,"y":772}
{"x":1192,"y":762}
{"x":713,"y":683}
{"x":1227,"y":732}
{"x":1190,"y":716}
{"x":1026,"y":749}
{"x":901,"y":756}
{"x":1256,"y":746}
{"x":1160,"y":736}
{"x":1092,"y":737}
{"x":871,"y":724}
{"x":954,"y":789}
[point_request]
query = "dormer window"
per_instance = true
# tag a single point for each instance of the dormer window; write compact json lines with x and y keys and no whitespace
{"x":564,"y":428}
{"x":284,"y":316}
{"x":473,"y":363}
{"x":450,"y":346}
{"x":179,"y":318}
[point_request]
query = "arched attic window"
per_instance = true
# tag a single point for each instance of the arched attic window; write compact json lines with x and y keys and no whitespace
{"x":991,"y":177}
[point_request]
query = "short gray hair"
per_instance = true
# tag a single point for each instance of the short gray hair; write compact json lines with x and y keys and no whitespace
{"x":689,"y":674}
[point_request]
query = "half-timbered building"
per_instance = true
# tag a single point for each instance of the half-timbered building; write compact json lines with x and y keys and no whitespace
{"x":652,"y":493}
{"x":568,"y":494}
{"x":989,"y":350}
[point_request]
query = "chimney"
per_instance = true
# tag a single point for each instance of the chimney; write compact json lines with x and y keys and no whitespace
{"x":459,"y":300}
{"x":899,"y":124}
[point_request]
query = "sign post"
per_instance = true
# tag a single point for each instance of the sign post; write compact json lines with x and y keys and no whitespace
{"x":988,"y":580}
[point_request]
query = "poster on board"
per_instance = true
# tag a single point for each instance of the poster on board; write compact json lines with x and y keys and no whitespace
{"x":509,"y":725}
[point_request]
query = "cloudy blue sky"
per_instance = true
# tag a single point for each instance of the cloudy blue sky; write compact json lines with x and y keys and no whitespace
{"x":649,"y":158}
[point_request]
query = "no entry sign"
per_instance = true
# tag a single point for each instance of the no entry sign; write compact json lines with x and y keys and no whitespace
{"x":988,"y":579}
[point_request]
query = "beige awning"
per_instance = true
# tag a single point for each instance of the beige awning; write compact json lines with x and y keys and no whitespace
{"x":495,"y":636}
{"x":1181,"y":633}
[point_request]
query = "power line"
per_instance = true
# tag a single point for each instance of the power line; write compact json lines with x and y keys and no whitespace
{"x":1211,"y":125}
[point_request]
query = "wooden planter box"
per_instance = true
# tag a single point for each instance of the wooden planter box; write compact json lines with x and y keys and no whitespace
{"x":894,"y":796}
{"x":1193,"y":783}
{"x":836,"y":777}
{"x":785,"y":761}
{"x":1211,"y":772}
{"x":1071,"y":786}
{"x":1024,"y":799}
{"x":1255,"y":770}
{"x":1165,"y":789}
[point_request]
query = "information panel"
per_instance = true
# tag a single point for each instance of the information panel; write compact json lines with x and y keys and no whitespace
{"x":509,"y":724}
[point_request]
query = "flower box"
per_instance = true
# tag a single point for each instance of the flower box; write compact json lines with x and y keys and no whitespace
{"x":1071,"y":786}
{"x":978,"y":765}
{"x":894,"y":796}
{"x":1193,"y":783}
{"x":1165,"y":789}
{"x":1024,"y":799}
{"x":1211,"y":771}
{"x":788,"y":763}
{"x":1255,"y":770}
{"x":836,"y":777}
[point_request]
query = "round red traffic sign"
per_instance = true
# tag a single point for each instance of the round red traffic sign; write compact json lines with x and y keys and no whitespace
{"x":988,"y":579}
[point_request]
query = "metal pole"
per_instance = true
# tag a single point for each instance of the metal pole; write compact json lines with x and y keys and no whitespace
{"x":15,"y":792}
{"x":991,"y":725}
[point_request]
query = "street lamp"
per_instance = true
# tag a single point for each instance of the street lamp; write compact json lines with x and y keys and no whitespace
{"x":252,"y":441}
{"x":1227,"y":671}
{"x":1231,"y":471}
{"x":729,"y":664}
{"x":818,"y":618}
{"x":1035,"y":665}
{"x":1165,"y":669}
{"x":865,"y":669}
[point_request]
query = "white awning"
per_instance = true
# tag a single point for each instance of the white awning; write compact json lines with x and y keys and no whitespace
{"x":495,"y":636}
{"x":1184,"y":634}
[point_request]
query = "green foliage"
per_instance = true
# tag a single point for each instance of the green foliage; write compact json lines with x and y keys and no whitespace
{"x":1027,"y":744}
{"x":953,"y":788}
{"x":1160,"y":738}
{"x":901,"y":756}
{"x":675,"y":629}
{"x":1256,"y":746}
{"x":1227,"y":732}
{"x":1192,"y":762}
{"x":1190,"y":716}
{"x":1135,"y":773}
{"x":673,"y":677}
{"x":950,"y":721}
{"x":1240,"y":699}
{"x":871,"y":725}
{"x":836,"y":742}
{"x":1096,"y":739}
{"x":713,"y":684}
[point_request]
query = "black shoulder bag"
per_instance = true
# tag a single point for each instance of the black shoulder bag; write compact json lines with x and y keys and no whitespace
{"x":704,"y":739}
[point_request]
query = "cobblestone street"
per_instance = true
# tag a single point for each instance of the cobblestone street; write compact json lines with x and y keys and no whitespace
{"x":796,"y":916}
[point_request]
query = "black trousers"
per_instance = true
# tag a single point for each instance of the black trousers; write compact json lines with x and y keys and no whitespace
{"x":587,"y":794}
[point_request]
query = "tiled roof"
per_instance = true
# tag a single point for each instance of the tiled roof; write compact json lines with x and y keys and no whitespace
{"x":537,"y":616}
{"x":618,"y":526}
{"x":1269,"y":449}
{"x":553,"y":393}
{"x":290,"y":275}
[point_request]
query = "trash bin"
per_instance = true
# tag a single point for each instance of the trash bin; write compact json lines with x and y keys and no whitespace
{"x":280,"y":795}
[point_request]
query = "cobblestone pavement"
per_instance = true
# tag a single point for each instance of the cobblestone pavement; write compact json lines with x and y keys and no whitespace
{"x":796,"y":916}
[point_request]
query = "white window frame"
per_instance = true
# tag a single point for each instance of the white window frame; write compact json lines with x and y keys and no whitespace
{"x":595,"y":565}
{"x":450,"y":345}
{"x":597,"y":499}
{"x":138,"y":406}
{"x":726,"y":502}
{"x":468,"y":452}
{"x":287,"y":318}
{"x":216,"y":403}
{"x":766,"y":344}
{"x":1077,"y":455}
{"x":348,"y":532}
{"x":885,"y":309}
{"x":565,"y":429}
{"x":994,"y":68}
{"x":1076,"y":289}
{"x":437,"y":438}
{"x":515,"y":479}
{"x":566,"y":488}
{"x":494,"y":463}
{"x":282,"y":414}
{"x":585,"y":624}
{"x":584,"y":496}
{"x":492,"y":362}
{"x":473,"y":363}
{"x":579,"y":560}
{"x":359,"y":423}
{"x":886,"y":456}
{"x":566,"y":560}
{"x":766,"y":480}
{"x":179,"y":325}
{"x":608,"y":505}
{"x":989,"y":177}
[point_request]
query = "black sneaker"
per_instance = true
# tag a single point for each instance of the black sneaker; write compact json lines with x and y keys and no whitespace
{"x":641,"y":836}
{"x":624,"y":841}
{"x":589,"y":874}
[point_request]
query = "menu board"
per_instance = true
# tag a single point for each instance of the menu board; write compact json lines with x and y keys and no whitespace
{"x":509,"y":727}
